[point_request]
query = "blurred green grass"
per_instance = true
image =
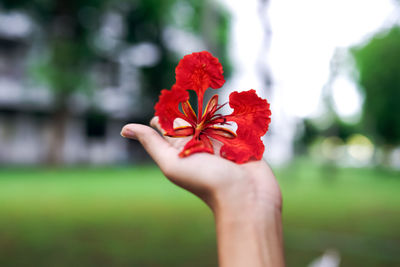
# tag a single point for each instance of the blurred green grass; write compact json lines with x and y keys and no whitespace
{"x":133,"y":216}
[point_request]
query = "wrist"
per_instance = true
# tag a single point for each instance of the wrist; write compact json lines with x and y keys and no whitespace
{"x":246,"y":206}
{"x":249,"y":235}
{"x":247,"y":214}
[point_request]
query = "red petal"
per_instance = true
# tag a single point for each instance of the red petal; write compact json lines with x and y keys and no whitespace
{"x":246,"y":146}
{"x":218,"y":120}
{"x":182,"y":131}
{"x":197,"y":145}
{"x":189,"y":112}
{"x":167,"y":108}
{"x":199,"y":71}
{"x":216,"y":132}
{"x":249,"y":110}
{"x":252,"y":116}
{"x":210,"y":109}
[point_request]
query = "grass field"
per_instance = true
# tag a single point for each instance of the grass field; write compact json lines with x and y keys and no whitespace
{"x":133,"y":216}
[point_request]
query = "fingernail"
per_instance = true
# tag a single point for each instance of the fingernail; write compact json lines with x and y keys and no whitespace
{"x":128,"y":133}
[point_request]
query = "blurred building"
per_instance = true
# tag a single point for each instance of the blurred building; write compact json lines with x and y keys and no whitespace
{"x":92,"y":131}
{"x":120,"y":74}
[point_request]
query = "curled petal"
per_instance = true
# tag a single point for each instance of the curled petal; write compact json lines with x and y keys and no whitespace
{"x":195,"y":145}
{"x":182,"y":131}
{"x":249,"y":110}
{"x":219,"y":132}
{"x":189,"y":112}
{"x":246,"y":146}
{"x":252,"y":116}
{"x":167,"y":108}
{"x":210,"y":109}
{"x":199,"y":71}
{"x":218,"y":120}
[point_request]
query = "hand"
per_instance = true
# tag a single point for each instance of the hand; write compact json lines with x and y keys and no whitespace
{"x":239,"y":195}
{"x":214,"y":179}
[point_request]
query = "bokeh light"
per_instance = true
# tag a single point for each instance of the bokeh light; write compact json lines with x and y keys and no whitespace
{"x":360,"y":148}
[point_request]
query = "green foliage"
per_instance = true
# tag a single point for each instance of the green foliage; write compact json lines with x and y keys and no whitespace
{"x":379,"y":77}
{"x":63,"y":67}
{"x":311,"y":131}
{"x":136,"y":217}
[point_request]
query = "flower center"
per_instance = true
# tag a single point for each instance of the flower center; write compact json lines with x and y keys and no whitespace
{"x":200,"y":127}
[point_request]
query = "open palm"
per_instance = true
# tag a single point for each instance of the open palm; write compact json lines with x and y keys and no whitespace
{"x":214,"y":179}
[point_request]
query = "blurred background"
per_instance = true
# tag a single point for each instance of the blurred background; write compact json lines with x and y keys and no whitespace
{"x":72,"y":73}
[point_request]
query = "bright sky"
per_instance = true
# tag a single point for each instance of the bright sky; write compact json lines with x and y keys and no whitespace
{"x":304,"y":37}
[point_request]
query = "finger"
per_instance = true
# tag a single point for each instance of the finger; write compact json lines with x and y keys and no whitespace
{"x":158,"y":148}
{"x":155,"y":124}
{"x":178,"y":122}
{"x":178,"y":143}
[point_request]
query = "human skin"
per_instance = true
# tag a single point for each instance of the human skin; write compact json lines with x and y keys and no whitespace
{"x":244,"y":198}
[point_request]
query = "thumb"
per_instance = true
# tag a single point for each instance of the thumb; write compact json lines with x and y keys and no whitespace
{"x":157,"y":147}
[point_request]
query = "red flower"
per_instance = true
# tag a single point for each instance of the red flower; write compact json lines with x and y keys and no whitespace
{"x":198,"y":72}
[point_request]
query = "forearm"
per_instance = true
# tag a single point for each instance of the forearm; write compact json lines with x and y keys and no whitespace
{"x":249,"y":237}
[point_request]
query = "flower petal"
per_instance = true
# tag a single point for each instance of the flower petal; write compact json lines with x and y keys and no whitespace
{"x":215,"y":132}
{"x":189,"y":112}
{"x":252,"y":116}
{"x":246,"y":146}
{"x":182,"y":131}
{"x":249,"y":110}
{"x":199,"y":71}
{"x":195,"y":145}
{"x":210,"y":109}
{"x":167,"y":108}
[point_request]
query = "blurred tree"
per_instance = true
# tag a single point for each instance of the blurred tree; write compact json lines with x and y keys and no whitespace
{"x":330,"y":123}
{"x":378,"y":64}
{"x":76,"y":34}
